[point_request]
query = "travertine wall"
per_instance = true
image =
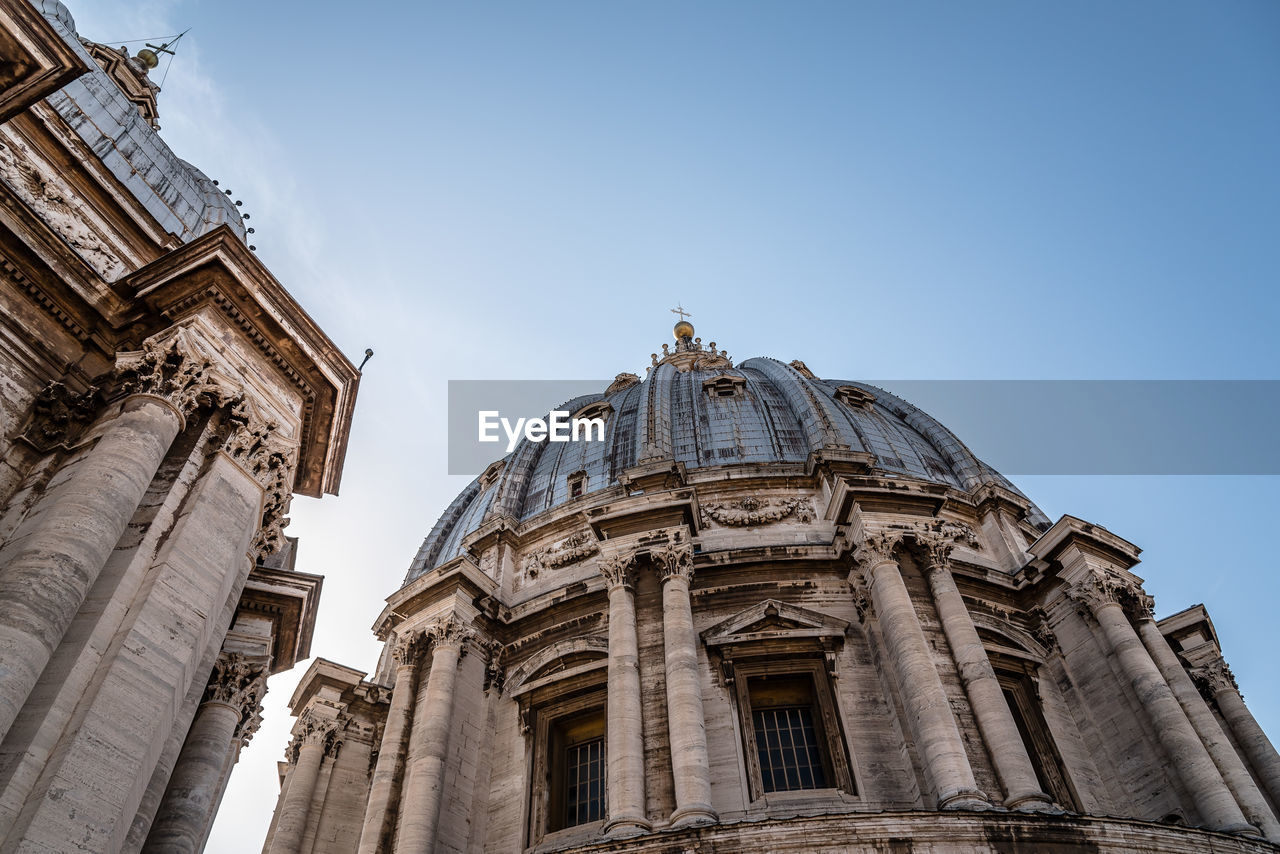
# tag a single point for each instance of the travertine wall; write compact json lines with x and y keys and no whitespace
{"x":934,"y":755}
{"x":161,"y":397}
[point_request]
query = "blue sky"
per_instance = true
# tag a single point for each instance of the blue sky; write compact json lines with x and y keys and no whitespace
{"x":908,"y":190}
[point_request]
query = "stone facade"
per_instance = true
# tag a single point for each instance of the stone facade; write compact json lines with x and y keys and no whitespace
{"x":163,"y":397}
{"x":772,"y":612}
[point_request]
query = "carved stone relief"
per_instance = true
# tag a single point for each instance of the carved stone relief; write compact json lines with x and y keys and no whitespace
{"x":751,"y":511}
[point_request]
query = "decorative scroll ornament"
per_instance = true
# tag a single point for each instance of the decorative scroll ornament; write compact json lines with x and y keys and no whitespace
{"x":495,"y":670}
{"x":1214,"y":678}
{"x":253,"y":446}
{"x":751,"y":511}
{"x":171,"y":369}
{"x":622,"y":381}
{"x":618,"y":569}
{"x":572,"y":549}
{"x":675,"y":559}
{"x":1041,"y":629}
{"x":59,"y":416}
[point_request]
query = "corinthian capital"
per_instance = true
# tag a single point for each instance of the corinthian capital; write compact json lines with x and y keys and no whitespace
{"x":1099,"y":588}
{"x":59,"y":415}
{"x":407,"y":649}
{"x":617,"y":569}
{"x":675,"y":560}
{"x":448,"y":632}
{"x":174,"y":370}
{"x":1214,"y":678}
{"x":237,"y":681}
{"x":877,"y":547}
{"x":938,"y":540}
{"x":316,"y":730}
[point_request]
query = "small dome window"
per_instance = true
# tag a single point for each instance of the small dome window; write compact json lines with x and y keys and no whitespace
{"x":577,"y":484}
{"x":851,"y":395}
{"x":724,"y":386}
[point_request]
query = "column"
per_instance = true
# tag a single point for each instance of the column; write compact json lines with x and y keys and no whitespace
{"x":924,"y":699}
{"x":311,"y":736}
{"x":625,"y":746}
{"x":685,"y":722}
{"x":1217,"y":680}
{"x":1224,"y":755}
{"x":420,"y":806}
{"x":1102,"y":592}
{"x":186,"y":813}
{"x":995,"y":720}
{"x":55,"y":555}
{"x":387,"y":773}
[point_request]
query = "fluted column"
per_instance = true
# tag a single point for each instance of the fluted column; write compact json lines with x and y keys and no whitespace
{"x":49,"y":563}
{"x":686,"y":724}
{"x":312,"y":738}
{"x":624,"y":761}
{"x":1224,"y":755}
{"x":388,"y":772}
{"x":995,"y":720}
{"x":190,"y":801}
{"x":1102,"y":593}
{"x":1216,"y":680}
{"x":924,"y":699}
{"x":420,"y":806}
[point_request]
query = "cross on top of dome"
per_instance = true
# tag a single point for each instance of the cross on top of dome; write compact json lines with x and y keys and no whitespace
{"x":689,"y":354}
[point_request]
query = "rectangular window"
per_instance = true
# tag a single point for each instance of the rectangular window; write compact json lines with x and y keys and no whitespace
{"x":788,"y":749}
{"x":1024,"y":703}
{"x":584,"y":781}
{"x":791,"y":728}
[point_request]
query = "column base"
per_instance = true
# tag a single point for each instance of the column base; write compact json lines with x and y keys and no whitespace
{"x":964,"y":799}
{"x":1244,"y":829}
{"x":1034,"y":801}
{"x":692,"y":815}
{"x":622,"y":826}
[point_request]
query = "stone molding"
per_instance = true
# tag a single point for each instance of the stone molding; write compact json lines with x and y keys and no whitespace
{"x":495,"y":668}
{"x":751,"y":511}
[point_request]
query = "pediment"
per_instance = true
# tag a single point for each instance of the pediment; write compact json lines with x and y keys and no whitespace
{"x":772,"y":619}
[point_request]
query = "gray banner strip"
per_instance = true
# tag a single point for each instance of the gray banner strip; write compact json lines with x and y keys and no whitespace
{"x":1096,"y":427}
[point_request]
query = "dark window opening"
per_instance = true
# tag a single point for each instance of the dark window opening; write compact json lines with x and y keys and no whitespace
{"x":576,"y":754}
{"x":1020,"y":693}
{"x":789,"y":739}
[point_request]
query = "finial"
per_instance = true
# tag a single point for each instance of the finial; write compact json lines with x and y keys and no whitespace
{"x":149,"y":56}
{"x":684,"y":329}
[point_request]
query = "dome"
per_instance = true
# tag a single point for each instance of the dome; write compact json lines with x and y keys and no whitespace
{"x":696,"y":409}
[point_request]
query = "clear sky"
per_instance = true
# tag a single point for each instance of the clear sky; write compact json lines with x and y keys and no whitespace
{"x":884,"y":190}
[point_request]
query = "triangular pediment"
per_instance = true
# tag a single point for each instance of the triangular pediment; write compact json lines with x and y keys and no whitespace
{"x":774,"y":619}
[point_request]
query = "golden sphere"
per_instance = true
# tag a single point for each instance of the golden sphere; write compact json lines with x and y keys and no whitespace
{"x":684,"y":329}
{"x":148,"y":58}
